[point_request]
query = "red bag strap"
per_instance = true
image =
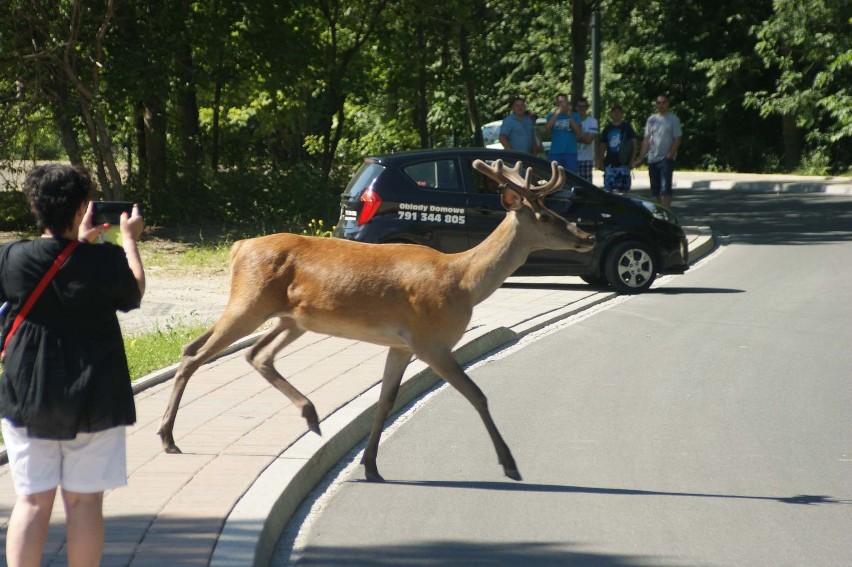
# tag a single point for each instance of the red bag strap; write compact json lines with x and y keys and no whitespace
{"x":28,"y":304}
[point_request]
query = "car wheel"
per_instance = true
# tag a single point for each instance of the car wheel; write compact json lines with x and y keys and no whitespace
{"x":630,"y":267}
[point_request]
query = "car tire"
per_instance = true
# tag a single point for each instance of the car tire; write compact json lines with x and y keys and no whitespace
{"x":630,"y":267}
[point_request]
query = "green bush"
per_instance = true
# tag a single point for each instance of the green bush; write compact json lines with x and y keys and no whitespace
{"x":14,"y":212}
{"x":262,"y":198}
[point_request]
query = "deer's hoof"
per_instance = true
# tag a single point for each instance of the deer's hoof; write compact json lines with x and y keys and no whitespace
{"x":310,"y":415}
{"x":373,"y":476}
{"x":512,"y":473}
{"x":171,"y":448}
{"x":168,"y":442}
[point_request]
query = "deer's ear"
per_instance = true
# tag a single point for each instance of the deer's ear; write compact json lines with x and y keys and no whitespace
{"x":511,"y":199}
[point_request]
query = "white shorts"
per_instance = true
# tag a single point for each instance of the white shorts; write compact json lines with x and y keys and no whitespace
{"x":91,"y":462}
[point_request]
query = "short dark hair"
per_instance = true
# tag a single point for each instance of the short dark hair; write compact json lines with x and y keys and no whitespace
{"x":616,"y":107}
{"x":55,"y":193}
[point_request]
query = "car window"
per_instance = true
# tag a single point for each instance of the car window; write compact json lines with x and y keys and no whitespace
{"x":363,"y":178}
{"x":440,"y":174}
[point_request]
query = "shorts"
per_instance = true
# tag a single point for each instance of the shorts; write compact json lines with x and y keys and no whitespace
{"x":567,"y":161}
{"x":617,"y":178}
{"x":584,"y":170}
{"x":91,"y":462}
{"x":661,"y":173}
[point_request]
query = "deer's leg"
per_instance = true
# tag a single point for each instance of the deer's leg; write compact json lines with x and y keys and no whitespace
{"x":395,"y":365}
{"x":262,"y":357}
{"x":446,"y":366}
{"x":225,"y":331}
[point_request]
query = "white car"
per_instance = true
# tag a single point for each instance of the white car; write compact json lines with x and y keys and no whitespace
{"x":491,"y":135}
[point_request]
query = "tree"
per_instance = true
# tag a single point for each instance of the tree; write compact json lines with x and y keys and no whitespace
{"x":57,"y":57}
{"x":808,"y":47}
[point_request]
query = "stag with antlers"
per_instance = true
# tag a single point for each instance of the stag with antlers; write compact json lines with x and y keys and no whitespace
{"x":412,"y":299}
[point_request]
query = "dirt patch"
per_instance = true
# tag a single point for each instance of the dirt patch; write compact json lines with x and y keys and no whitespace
{"x":175,"y":293}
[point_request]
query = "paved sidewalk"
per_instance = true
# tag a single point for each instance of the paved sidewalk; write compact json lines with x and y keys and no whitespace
{"x":247,"y":460}
{"x":747,"y":182}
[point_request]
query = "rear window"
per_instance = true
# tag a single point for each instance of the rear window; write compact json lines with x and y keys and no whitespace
{"x":363,"y":178}
{"x":439,"y":174}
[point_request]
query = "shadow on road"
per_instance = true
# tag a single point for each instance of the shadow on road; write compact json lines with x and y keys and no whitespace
{"x":808,"y":499}
{"x":561,"y":286}
{"x":509,"y":554}
{"x":692,"y":290}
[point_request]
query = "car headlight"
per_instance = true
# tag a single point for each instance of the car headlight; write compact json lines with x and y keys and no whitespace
{"x":660,"y":212}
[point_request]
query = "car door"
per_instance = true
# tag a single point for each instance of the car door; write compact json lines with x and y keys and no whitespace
{"x":484,"y":211}
{"x":434,"y":205}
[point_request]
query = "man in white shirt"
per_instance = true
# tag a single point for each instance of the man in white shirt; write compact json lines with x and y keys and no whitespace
{"x":660,"y":144}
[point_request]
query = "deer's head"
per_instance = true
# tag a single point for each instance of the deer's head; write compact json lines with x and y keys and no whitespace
{"x":552,"y":230}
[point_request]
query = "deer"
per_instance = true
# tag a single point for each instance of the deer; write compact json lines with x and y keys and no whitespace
{"x":415,"y":300}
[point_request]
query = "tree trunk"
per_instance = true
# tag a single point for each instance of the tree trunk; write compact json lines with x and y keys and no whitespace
{"x":155,"y":150}
{"x":332,"y":131}
{"x":141,"y":153}
{"x":792,"y":135}
{"x":214,"y":128}
{"x":580,"y":21}
{"x":469,"y":87}
{"x":421,"y":105}
{"x":186,"y":105}
{"x":63,"y":117}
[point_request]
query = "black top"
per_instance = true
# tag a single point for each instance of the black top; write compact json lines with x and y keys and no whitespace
{"x":618,"y":151}
{"x":65,"y":370}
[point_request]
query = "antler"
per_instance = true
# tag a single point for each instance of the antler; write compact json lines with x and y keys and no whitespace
{"x":512,"y":176}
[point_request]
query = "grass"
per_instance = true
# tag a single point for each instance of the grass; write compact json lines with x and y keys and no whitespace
{"x":160,"y":348}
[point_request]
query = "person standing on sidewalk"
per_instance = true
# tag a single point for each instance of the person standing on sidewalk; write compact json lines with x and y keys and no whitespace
{"x":618,"y":146}
{"x":564,"y":125}
{"x":586,"y":141}
{"x":65,"y":394}
{"x":517,"y":132}
{"x":660,"y":145}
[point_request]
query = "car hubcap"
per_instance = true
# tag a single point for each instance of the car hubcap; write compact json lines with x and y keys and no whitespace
{"x":635,"y":268}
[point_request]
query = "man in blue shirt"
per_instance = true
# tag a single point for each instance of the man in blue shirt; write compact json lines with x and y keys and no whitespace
{"x":564,"y":125}
{"x":518,"y":130}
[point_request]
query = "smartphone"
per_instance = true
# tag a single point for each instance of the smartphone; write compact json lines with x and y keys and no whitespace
{"x":110,"y":212}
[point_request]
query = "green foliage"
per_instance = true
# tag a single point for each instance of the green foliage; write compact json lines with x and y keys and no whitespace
{"x":15,"y":212}
{"x":258,"y":111}
{"x":808,"y":47}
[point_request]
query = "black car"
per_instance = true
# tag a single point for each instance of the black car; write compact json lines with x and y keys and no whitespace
{"x":436,"y":198}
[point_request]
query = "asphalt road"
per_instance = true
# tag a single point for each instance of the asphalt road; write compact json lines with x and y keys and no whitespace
{"x":706,"y":422}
